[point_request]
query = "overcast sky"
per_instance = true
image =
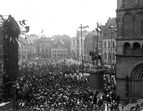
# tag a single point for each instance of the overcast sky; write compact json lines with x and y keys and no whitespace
{"x":59,"y":16}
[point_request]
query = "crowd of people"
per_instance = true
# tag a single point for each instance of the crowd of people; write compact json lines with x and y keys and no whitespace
{"x":50,"y":86}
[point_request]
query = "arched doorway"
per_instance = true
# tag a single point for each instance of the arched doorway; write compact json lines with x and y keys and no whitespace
{"x":137,"y":82}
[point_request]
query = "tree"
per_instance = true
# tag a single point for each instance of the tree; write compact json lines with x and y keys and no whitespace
{"x":11,"y":33}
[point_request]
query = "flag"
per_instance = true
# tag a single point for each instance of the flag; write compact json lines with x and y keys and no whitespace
{"x":24,"y":27}
{"x":113,"y":27}
{"x":23,"y":21}
{"x":20,"y":23}
{"x":27,"y":28}
{"x":98,"y":26}
{"x":98,"y":29}
{"x":42,"y":31}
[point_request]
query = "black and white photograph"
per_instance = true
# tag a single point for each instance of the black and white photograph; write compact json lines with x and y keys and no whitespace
{"x":71,"y":55}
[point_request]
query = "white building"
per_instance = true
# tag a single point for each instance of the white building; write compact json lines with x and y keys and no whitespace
{"x":59,"y":51}
{"x":109,"y":51}
{"x":109,"y":42}
{"x":32,"y":38}
{"x":25,"y":49}
{"x":43,"y":47}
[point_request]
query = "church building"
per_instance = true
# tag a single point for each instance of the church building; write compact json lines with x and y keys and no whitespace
{"x":129,"y":57}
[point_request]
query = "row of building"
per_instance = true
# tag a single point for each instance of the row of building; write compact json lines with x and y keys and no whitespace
{"x":79,"y":47}
{"x":34,"y":47}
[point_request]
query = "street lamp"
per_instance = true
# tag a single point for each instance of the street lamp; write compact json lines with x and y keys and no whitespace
{"x":82,"y":27}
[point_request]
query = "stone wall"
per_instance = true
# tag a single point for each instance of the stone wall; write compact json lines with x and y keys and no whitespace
{"x":129,"y":38}
{"x":126,"y":64}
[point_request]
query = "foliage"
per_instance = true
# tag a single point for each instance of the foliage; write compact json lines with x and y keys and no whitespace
{"x":11,"y":29}
{"x":11,"y":33}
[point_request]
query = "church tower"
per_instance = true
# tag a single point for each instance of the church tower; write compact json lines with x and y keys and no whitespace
{"x":129,"y":58}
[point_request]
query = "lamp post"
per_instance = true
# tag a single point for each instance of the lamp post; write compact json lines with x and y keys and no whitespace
{"x":82,"y":27}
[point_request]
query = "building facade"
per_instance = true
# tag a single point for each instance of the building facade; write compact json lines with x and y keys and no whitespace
{"x":91,"y":41}
{"x":109,"y":42}
{"x":32,"y":38}
{"x":32,"y":51}
{"x":59,"y":51}
{"x":24,"y":49}
{"x":74,"y":48}
{"x":43,"y":47}
{"x":129,"y":57}
{"x":109,"y":51}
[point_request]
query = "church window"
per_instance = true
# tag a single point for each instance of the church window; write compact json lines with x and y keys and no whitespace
{"x":127,"y":25}
{"x":127,"y":49}
{"x":136,"y":49}
{"x":138,"y":24}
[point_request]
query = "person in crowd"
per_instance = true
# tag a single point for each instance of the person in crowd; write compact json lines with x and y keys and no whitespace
{"x":60,"y":86}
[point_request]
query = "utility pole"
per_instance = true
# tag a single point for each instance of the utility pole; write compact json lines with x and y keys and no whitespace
{"x":82,"y":27}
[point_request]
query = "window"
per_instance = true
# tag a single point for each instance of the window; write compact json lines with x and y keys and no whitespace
{"x":114,"y":56}
{"x":105,"y":44}
{"x":113,"y":44}
{"x":127,"y":49}
{"x":105,"y":55}
{"x":109,"y":56}
{"x":136,"y":49}
{"x":127,"y":25}
{"x":139,"y":24}
{"x":109,"y":44}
